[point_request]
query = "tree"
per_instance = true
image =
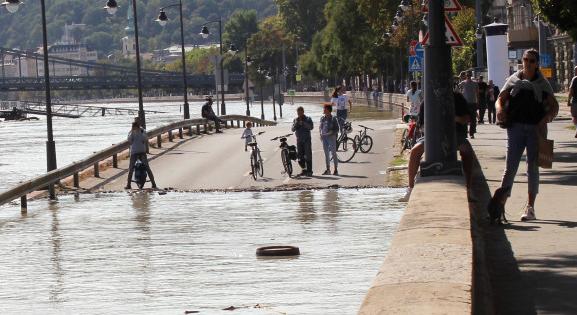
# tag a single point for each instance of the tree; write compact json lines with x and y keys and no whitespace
{"x":464,"y":24}
{"x":562,"y":13}
{"x":303,"y":18}
{"x":240,"y":26}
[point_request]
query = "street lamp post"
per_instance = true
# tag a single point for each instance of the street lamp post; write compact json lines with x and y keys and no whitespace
{"x":162,"y":20}
{"x":247,"y":62}
{"x":479,"y":22}
{"x":12,"y":7}
{"x":204,"y":33}
{"x":111,"y":7}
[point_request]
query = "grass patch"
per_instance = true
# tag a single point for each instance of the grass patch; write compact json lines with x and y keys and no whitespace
{"x":571,"y":127}
{"x":399,"y":160}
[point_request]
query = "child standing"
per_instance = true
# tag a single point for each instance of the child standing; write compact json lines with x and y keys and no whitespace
{"x":247,"y":135}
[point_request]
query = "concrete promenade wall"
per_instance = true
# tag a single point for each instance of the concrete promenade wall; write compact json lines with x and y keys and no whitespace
{"x":429,"y":266}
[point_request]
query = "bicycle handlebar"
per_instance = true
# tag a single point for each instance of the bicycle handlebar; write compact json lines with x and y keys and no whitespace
{"x":366,"y":127}
{"x":279,"y":137}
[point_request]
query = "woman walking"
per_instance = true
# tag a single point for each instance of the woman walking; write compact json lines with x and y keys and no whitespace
{"x":329,"y":128}
{"x":525,"y":105}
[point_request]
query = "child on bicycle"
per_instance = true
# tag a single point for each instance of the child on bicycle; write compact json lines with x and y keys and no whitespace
{"x":247,"y":135}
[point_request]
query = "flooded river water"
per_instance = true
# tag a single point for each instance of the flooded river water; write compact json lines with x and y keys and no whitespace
{"x":167,"y":254}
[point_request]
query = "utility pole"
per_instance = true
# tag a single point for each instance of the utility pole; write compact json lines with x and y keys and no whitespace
{"x":440,"y":140}
{"x":479,"y":22}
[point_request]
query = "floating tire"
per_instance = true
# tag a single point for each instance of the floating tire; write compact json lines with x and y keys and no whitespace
{"x":278,"y":251}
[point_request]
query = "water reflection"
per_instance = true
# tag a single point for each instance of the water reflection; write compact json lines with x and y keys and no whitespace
{"x":57,"y":287}
{"x":141,"y":207}
{"x":306,"y":211}
{"x":331,"y":207}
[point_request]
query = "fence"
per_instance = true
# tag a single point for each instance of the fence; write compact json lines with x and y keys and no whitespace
{"x":50,"y":178}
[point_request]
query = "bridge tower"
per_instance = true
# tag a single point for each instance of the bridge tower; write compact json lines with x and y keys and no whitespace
{"x":128,"y":42}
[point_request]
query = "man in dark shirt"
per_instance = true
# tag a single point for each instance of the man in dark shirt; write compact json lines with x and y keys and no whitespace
{"x":208,"y":113}
{"x":302,"y":126}
{"x":483,"y":91}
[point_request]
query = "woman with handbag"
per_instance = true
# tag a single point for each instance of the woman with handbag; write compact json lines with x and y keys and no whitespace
{"x":525,"y":105}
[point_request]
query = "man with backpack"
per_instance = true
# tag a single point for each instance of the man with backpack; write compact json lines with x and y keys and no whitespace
{"x":138,"y":144}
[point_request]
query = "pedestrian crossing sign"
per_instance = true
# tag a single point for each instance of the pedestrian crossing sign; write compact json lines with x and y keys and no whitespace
{"x":415,"y":64}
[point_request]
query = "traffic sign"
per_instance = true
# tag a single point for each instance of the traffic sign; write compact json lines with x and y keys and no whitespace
{"x":415,"y":64}
{"x":412,"y":46}
{"x":545,"y":60}
{"x":420,"y":51}
{"x":451,"y":36}
{"x":547,"y":72}
{"x":450,"y":6}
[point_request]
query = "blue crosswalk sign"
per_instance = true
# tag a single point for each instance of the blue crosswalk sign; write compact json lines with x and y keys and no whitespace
{"x":545,"y":60}
{"x":415,"y":64}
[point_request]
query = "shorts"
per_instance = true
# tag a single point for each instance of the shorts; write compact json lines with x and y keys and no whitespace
{"x":574,"y":109}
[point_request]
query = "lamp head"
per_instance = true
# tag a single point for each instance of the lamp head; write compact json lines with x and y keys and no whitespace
{"x":204,"y":32}
{"x":162,"y":18}
{"x":232,"y":49}
{"x":11,"y":5}
{"x":111,"y":7}
{"x":405,"y":5}
{"x":479,"y":32}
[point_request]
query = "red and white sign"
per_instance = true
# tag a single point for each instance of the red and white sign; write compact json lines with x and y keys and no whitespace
{"x":450,"y":6}
{"x":412,"y":51}
{"x":451,"y":36}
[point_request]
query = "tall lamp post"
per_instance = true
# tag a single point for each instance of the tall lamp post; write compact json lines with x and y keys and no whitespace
{"x":111,"y":7}
{"x":479,"y":22}
{"x":247,"y":62}
{"x":12,"y":6}
{"x":205,"y":33}
{"x":162,"y":20}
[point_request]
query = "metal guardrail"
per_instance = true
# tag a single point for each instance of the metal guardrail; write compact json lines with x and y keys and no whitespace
{"x":94,"y":160}
{"x":394,"y":101}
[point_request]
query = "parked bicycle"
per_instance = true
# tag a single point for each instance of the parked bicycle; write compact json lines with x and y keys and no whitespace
{"x":288,"y":153}
{"x":256,"y":162}
{"x":364,"y":142}
{"x":412,"y":133}
{"x":346,"y":146}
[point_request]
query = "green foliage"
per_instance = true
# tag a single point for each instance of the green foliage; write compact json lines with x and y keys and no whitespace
{"x":23,"y":29}
{"x":266,"y":47}
{"x":562,"y":13}
{"x":464,"y":24}
{"x":240,"y":26}
{"x":304,"y":18}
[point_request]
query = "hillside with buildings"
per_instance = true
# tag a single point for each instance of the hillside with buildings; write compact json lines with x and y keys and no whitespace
{"x":98,"y":31}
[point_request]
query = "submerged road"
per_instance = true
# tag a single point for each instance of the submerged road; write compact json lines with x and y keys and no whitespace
{"x":219,"y":162}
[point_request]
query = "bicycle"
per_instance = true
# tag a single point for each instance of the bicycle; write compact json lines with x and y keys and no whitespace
{"x":256,"y":162}
{"x":346,"y":146}
{"x":412,"y":133}
{"x":288,"y":153}
{"x":364,"y":142}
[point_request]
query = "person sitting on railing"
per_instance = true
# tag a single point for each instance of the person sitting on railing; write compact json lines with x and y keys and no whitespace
{"x":138,"y":144}
{"x":208,"y":113}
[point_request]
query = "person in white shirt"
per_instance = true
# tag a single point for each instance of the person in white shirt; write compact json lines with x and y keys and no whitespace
{"x":415,"y":97}
{"x":247,"y":135}
{"x":339,"y":101}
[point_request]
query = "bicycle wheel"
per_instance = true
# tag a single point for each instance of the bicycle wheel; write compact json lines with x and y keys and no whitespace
{"x":286,"y":162}
{"x":404,"y":139}
{"x":366,"y":144}
{"x":260,"y":164}
{"x":346,"y":149}
{"x":254,"y":164}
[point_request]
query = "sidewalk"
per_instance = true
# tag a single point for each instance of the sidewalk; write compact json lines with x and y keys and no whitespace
{"x":533,"y":265}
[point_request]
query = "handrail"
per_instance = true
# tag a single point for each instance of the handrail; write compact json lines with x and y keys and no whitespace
{"x":37,"y":183}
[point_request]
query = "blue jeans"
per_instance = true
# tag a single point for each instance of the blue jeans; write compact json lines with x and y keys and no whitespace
{"x":330,"y":148}
{"x":519,"y":137}
{"x":342,"y":118}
